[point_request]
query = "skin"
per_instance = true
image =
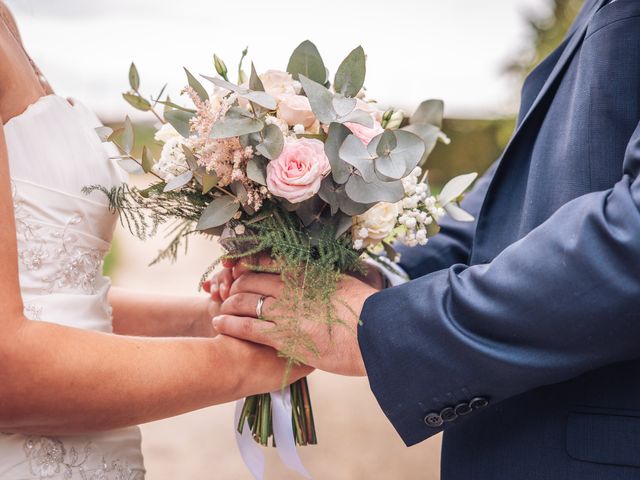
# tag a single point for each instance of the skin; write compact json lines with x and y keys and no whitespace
{"x":58,"y":380}
{"x":338,"y":350}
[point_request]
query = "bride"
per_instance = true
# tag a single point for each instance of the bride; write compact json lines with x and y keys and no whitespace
{"x":79,"y":369}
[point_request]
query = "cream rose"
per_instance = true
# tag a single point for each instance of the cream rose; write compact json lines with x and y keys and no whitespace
{"x":297,"y":173}
{"x":296,"y":110}
{"x":278,"y":83}
{"x":376,"y":224}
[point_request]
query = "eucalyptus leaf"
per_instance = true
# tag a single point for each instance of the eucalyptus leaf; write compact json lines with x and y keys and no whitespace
{"x":386,"y":143}
{"x":147,"y":160}
{"x":354,"y":152}
{"x":429,"y":112}
{"x":363,"y":192}
{"x":358,"y":116}
{"x":178,"y":182}
{"x":255,"y":83}
{"x":351,"y":73}
{"x":340,"y":170}
{"x":342,"y":224}
{"x":128,"y":137}
{"x":219,"y":82}
{"x":428,"y":133}
{"x":104,"y":133}
{"x":130,"y":166}
{"x":390,"y":252}
{"x":261,"y":98}
{"x":320,"y":98}
{"x":306,"y":61}
{"x":310,"y":211}
{"x":192,"y":161}
{"x":336,"y":196}
{"x":457,"y":213}
{"x":197,"y":86}
{"x":257,"y":170}
{"x":180,"y":120}
{"x":235,"y":126}
{"x":408,"y":153}
{"x":273,"y":143}
{"x":343,"y":106}
{"x":209,"y":182}
{"x":134,"y":77}
{"x":456,"y":187}
{"x":136,"y":101}
{"x":388,"y":168}
{"x":218,"y":212}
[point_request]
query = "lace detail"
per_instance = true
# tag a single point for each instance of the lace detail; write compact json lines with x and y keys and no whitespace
{"x":48,"y":458}
{"x":41,"y":246}
{"x":32,"y":311}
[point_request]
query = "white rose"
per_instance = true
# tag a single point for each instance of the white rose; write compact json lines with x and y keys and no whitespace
{"x":296,"y":110}
{"x":379,"y":222}
{"x":166,"y":133}
{"x":278,"y":83}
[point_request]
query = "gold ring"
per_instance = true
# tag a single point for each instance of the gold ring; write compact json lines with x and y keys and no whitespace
{"x":259,"y":307}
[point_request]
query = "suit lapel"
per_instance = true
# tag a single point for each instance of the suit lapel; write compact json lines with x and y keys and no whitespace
{"x":579,"y":31}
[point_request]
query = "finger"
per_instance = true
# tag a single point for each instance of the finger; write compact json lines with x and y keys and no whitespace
{"x":246,"y":305}
{"x":246,"y":328}
{"x":249,"y":264}
{"x":224,"y":281}
{"x":229,"y":262}
{"x":206,"y":286}
{"x":267,"y":284}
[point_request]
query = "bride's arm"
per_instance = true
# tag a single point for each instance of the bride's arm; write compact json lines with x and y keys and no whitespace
{"x":57,"y":380}
{"x":150,"y":315}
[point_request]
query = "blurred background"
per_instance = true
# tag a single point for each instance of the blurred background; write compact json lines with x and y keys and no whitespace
{"x":474,"y":55}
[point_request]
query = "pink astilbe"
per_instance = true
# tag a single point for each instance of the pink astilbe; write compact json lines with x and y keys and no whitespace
{"x":225,"y":157}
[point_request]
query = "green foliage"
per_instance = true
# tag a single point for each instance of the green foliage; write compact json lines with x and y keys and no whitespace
{"x":311,"y":267}
{"x":142,"y":212}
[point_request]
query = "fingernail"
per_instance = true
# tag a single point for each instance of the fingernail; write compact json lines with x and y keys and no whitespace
{"x":228,"y":263}
{"x":215,"y":322}
{"x":206,"y":286}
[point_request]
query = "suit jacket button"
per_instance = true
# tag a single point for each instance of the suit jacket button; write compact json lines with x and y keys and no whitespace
{"x":463,"y":409}
{"x":478,"y":402}
{"x":448,"y":414}
{"x":433,"y":420}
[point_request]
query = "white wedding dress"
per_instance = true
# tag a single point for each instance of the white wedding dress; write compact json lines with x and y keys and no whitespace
{"x":63,"y":236}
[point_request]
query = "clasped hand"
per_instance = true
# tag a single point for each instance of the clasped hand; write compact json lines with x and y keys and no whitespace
{"x":240,"y":290}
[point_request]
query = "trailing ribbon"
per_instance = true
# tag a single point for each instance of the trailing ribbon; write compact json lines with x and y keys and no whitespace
{"x":251,"y":453}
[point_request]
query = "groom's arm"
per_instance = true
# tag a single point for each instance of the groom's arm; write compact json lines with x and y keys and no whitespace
{"x":558,"y":303}
{"x":453,"y":244}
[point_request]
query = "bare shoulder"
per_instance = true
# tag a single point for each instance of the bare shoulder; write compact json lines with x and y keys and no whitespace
{"x":9,"y":20}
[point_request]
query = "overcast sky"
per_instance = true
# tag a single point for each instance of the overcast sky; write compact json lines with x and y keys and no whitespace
{"x":417,"y":49}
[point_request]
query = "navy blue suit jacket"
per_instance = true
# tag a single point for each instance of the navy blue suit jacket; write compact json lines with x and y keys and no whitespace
{"x":519,"y":336}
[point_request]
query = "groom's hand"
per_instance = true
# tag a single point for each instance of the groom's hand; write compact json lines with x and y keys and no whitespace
{"x":337,"y":347}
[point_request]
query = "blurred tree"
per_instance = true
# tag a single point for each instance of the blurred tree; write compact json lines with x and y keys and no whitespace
{"x":547,"y":32}
{"x":477,"y":143}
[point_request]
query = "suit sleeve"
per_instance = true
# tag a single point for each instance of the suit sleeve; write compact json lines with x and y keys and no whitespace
{"x":453,"y":244}
{"x":558,"y":303}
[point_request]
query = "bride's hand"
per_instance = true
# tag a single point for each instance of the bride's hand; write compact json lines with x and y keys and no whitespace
{"x":258,"y":369}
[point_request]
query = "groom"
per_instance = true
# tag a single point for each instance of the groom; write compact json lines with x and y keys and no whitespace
{"x":519,"y":336}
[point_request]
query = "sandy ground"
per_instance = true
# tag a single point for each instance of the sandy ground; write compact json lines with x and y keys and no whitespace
{"x":356,"y":440}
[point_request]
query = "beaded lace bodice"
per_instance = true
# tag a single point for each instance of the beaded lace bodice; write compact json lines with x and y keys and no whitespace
{"x":63,"y":236}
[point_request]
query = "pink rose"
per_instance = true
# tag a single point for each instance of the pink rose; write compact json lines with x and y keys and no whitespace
{"x":365,"y":134}
{"x":297,"y":173}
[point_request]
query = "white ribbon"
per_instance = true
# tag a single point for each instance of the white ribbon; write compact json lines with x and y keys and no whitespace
{"x":251,"y":453}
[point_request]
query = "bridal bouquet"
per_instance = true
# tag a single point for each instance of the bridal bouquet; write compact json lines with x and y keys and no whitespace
{"x":293,"y":164}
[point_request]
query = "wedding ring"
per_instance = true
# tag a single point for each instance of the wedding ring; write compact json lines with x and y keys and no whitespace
{"x":259,"y":307}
